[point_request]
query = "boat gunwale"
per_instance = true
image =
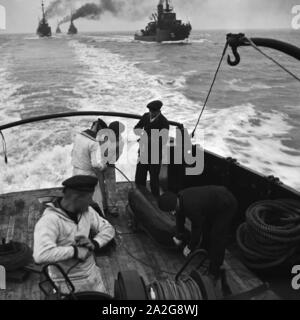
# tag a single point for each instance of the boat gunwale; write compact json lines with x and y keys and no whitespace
{"x":77,"y":114}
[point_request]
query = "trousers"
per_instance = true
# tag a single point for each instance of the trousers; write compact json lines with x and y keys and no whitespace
{"x":141,"y":176}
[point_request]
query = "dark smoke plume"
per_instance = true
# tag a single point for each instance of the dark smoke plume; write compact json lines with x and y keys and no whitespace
{"x":94,"y":11}
{"x":58,"y":8}
{"x":126,"y":9}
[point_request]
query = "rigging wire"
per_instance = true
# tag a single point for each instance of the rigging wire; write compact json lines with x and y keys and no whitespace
{"x":211,"y":87}
{"x":272,"y":59}
{"x":4,"y":147}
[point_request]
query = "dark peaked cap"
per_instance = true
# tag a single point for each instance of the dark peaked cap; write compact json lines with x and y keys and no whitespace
{"x":81,"y":183}
{"x":155,"y":105}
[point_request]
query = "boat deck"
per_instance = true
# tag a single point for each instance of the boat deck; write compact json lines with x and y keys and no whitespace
{"x":133,"y":250}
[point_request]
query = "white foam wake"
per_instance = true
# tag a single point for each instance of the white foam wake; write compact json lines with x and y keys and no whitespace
{"x":116,"y":84}
{"x":255,"y":139}
{"x":39,"y":156}
{"x":239,"y":85}
{"x":10,"y":105}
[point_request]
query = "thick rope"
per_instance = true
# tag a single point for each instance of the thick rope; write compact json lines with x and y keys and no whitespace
{"x":271,"y":234}
{"x":14,"y":255}
{"x":272,"y":59}
{"x":211,"y":87}
{"x":185,"y":289}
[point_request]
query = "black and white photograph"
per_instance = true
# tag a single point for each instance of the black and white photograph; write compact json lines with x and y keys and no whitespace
{"x":149,"y":153}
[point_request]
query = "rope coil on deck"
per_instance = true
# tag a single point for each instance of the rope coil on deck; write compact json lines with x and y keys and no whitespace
{"x":14,"y":255}
{"x":184,"y":289}
{"x":271,"y":233}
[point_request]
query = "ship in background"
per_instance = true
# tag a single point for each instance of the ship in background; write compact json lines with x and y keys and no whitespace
{"x":72,"y":29}
{"x":165,"y":26}
{"x":43,"y":30}
{"x":58,"y":30}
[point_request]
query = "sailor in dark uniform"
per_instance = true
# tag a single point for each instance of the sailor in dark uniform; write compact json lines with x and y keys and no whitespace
{"x":210,"y":210}
{"x":150,"y":122}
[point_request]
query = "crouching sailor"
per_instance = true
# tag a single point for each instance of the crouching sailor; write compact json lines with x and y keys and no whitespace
{"x":69,"y":232}
{"x":210,"y":210}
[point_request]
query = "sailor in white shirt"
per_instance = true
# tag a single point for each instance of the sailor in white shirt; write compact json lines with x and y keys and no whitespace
{"x":68,"y":233}
{"x":86,"y":156}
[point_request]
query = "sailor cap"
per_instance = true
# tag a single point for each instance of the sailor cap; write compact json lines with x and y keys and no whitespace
{"x":81,"y":183}
{"x":155,"y":105}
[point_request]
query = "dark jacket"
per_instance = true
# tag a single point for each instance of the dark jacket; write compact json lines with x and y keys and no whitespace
{"x":199,"y":204}
{"x":159,"y":123}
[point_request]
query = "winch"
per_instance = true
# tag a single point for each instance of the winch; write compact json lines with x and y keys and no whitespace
{"x":129,"y":285}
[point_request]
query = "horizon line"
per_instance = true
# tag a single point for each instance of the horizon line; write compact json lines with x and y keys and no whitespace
{"x":197,"y":30}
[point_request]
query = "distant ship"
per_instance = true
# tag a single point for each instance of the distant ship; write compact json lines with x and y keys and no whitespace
{"x":72,"y":28}
{"x":165,"y":26}
{"x":43,"y":30}
{"x":58,"y":30}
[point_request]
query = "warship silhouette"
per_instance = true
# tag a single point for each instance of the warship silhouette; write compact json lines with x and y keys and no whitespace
{"x":165,"y":26}
{"x":72,"y":28}
{"x":43,"y":30}
{"x":58,"y":30}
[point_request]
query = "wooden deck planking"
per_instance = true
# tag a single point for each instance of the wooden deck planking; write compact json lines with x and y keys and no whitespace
{"x":108,"y":271}
{"x":20,"y":225}
{"x":10,"y":229}
{"x":136,"y":250}
{"x":240,"y":279}
{"x":3,"y":225}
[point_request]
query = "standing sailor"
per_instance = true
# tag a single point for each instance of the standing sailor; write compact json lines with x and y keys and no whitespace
{"x":86,"y":156}
{"x":68,"y":233}
{"x":151,"y":124}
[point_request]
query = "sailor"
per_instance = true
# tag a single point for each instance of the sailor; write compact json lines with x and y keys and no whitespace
{"x":69,"y":232}
{"x":210,"y":210}
{"x":86,"y":158}
{"x":112,"y":146}
{"x":146,"y":127}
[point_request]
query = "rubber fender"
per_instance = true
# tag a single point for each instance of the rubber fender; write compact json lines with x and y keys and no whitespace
{"x":15,"y":255}
{"x":130,"y":286}
{"x":159,"y":225}
{"x":205,"y":284}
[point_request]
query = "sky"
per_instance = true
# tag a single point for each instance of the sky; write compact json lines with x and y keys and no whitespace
{"x":22,"y":15}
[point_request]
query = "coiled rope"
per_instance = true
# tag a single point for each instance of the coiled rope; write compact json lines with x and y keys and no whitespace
{"x":183,"y":289}
{"x":270,"y":234}
{"x":14,"y":255}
